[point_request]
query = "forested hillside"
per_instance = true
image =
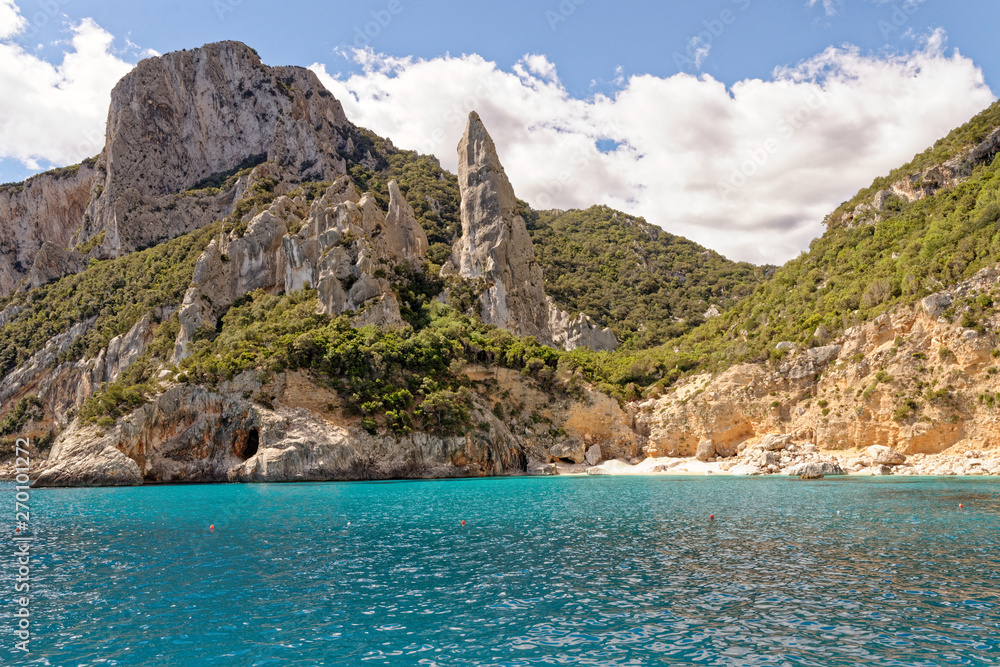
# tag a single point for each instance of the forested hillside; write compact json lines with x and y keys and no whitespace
{"x":648,"y":285}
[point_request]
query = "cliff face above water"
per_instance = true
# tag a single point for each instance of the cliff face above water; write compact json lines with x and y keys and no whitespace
{"x":46,"y":209}
{"x":241,"y":287}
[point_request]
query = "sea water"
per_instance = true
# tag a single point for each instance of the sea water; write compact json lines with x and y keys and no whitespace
{"x":569,"y":571}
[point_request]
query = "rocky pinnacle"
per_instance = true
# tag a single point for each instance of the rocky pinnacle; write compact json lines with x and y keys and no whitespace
{"x":495,"y":245}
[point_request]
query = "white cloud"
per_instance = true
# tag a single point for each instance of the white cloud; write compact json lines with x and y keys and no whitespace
{"x":750,"y":170}
{"x":11,"y":21}
{"x":49,"y":112}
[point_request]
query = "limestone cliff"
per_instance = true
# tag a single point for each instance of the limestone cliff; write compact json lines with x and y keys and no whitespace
{"x":193,"y":434}
{"x":342,"y":244}
{"x":495,"y":248}
{"x":495,"y":245}
{"x":177,"y":119}
{"x":910,"y":380}
{"x":175,"y":122}
{"x":45,"y":209}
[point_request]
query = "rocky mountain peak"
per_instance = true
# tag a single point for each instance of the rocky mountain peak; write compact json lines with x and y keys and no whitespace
{"x":495,"y":244}
{"x":175,"y":120}
{"x":177,"y":125}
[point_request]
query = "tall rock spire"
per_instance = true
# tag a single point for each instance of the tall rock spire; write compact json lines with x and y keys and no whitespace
{"x":496,"y":247}
{"x":495,"y":244}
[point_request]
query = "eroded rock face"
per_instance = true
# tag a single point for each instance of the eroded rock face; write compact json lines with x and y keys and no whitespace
{"x":173,"y":121}
{"x":496,"y":248}
{"x":52,"y":262}
{"x":342,"y":241}
{"x":179,"y":118}
{"x":88,"y":458}
{"x":570,"y":449}
{"x":570,"y":333}
{"x":849,"y":394}
{"x":403,"y":238}
{"x":495,"y":245}
{"x":48,"y":208}
{"x":189,"y":434}
{"x":935,"y":304}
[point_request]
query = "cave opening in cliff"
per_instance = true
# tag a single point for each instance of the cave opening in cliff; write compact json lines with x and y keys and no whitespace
{"x":253,"y":443}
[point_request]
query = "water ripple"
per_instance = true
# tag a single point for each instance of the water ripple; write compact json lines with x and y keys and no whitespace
{"x":593,"y":571}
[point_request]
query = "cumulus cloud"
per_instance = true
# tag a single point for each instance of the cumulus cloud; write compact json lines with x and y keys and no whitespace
{"x":749,"y":170}
{"x":11,"y":21}
{"x":55,"y":113}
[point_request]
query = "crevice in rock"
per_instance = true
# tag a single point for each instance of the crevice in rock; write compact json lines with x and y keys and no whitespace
{"x":251,"y":445}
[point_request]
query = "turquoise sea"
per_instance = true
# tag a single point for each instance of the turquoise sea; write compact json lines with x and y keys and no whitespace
{"x":568,"y":571}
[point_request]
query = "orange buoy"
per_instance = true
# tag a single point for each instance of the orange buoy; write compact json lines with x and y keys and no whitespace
{"x":212,"y":527}
{"x":711,"y":517}
{"x":960,"y":506}
{"x":463,"y":522}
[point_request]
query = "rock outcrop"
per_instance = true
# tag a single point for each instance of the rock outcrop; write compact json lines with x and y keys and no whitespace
{"x":88,"y":459}
{"x":189,"y":434}
{"x":924,"y":183}
{"x":180,"y":118}
{"x":570,"y":333}
{"x":495,"y":245}
{"x":495,"y":248}
{"x":906,"y":383}
{"x":51,"y":263}
{"x":45,"y":209}
{"x":338,"y":244}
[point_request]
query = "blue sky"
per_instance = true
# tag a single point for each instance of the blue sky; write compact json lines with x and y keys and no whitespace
{"x":583,"y":50}
{"x":588,"y":44}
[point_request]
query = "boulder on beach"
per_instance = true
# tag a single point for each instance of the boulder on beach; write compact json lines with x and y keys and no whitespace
{"x":815,"y":468}
{"x":885,"y":456}
{"x":572,"y":449}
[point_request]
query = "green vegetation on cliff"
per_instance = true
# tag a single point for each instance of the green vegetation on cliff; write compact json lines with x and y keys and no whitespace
{"x":853,"y":274}
{"x":648,"y":285}
{"x":955,"y":143}
{"x":117,"y":293}
{"x":399,"y":379}
{"x":848,"y":276}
